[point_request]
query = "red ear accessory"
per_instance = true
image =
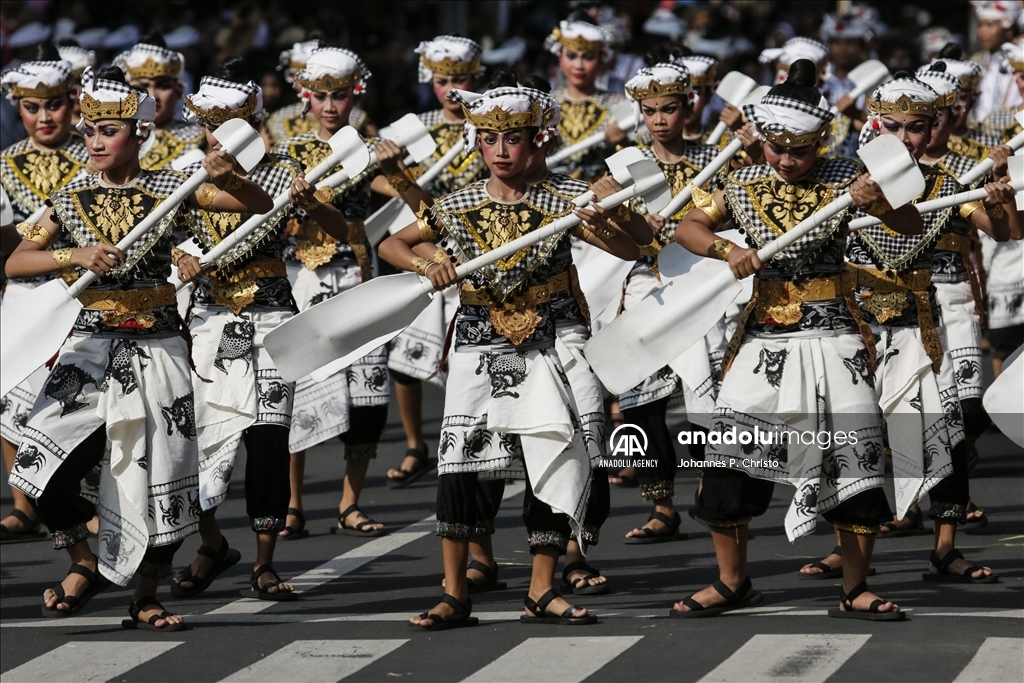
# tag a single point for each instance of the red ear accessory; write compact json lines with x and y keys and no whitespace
{"x":359,"y":89}
{"x":875,"y":125}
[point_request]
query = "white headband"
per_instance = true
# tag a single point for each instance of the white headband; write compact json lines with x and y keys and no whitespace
{"x":794,"y":49}
{"x":582,"y":37}
{"x":78,"y":57}
{"x":448,"y":55}
{"x":37,"y":79}
{"x":790,"y":122}
{"x":219,"y":100}
{"x":1006,"y":12}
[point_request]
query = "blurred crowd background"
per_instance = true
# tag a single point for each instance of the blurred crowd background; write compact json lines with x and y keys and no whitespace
{"x":512,"y":32}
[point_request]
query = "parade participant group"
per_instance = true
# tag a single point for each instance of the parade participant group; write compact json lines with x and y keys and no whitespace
{"x":131,"y":432}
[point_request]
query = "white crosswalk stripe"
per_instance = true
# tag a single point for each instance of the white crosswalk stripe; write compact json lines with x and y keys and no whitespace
{"x":87,"y":662}
{"x":998,"y":660}
{"x":554,"y":660}
{"x":798,"y":657}
{"x":316,"y":661}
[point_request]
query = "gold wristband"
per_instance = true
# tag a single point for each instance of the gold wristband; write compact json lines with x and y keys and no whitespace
{"x":33,"y":232}
{"x":62,"y":257}
{"x":325,"y":195}
{"x":995,"y":212}
{"x":419,"y":264}
{"x":399,"y":181}
{"x":722,"y":249}
{"x":605,"y":233}
{"x":207,"y":191}
{"x":310,"y":205}
{"x":232,"y":182}
{"x":440,"y":255}
{"x":969,"y":208}
{"x":879,"y":208}
{"x":176,"y":254}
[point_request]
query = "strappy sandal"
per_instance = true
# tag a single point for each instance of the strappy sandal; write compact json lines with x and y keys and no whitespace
{"x":460,"y":619}
{"x":846,"y":610}
{"x":224,"y":559}
{"x":745,"y":596}
{"x":263,"y":593}
{"x":671,"y":532}
{"x":423,"y":465}
{"x":97,"y":584}
{"x":979,"y":522}
{"x":135,"y":609}
{"x":825,"y":571}
{"x":942,"y":565}
{"x":586,"y":588}
{"x":490,"y":582}
{"x":295,"y":532}
{"x":359,"y":529}
{"x":30,"y":532}
{"x":540,"y":615}
{"x":915,"y":526}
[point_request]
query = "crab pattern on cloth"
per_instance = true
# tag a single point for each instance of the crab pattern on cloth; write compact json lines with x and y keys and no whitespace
{"x":140,"y":390}
{"x":517,"y":406}
{"x":240,"y":388}
{"x":799,"y":383}
{"x":1003,"y":263}
{"x":170,"y":143}
{"x":581,"y":119}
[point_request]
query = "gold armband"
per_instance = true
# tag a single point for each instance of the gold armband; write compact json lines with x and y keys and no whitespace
{"x":581,"y":232}
{"x":605,"y":233}
{"x":969,"y":208}
{"x":427,"y":232}
{"x":310,"y":205}
{"x":879,"y":207}
{"x":622,"y":215}
{"x":176,"y":254}
{"x":440,"y":255}
{"x":33,"y":232}
{"x":722,"y":249}
{"x":325,"y":195}
{"x":232,"y":182}
{"x":705,"y":201}
{"x":207,"y":191}
{"x":995,"y":212}
{"x":399,"y":182}
{"x":62,"y":257}
{"x":419,"y":264}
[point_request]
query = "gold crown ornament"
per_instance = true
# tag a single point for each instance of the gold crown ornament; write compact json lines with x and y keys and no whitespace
{"x":329,"y":83}
{"x":220,"y":115}
{"x":789,"y":139}
{"x":705,"y":79}
{"x":904,"y":105}
{"x":580,"y":44}
{"x":154,"y":69}
{"x":497,"y":119}
{"x":94,"y":110}
{"x":452,"y":67}
{"x":41,"y":90}
{"x":656,"y":89}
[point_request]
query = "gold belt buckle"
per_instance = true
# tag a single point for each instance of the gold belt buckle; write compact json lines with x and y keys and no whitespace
{"x":776,"y":304}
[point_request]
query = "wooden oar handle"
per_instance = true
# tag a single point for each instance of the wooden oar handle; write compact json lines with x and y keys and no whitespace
{"x":933,"y":205}
{"x":683,"y":198}
{"x":969,"y":178}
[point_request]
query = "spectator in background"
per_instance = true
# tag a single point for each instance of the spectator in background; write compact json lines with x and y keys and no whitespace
{"x":996,"y":25}
{"x":848,"y":37}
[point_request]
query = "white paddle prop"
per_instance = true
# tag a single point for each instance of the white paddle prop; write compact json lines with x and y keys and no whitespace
{"x":1004,"y":399}
{"x":866,"y":76}
{"x":6,"y":210}
{"x":186,"y":159}
{"x":36,"y":325}
{"x":1016,"y":182}
{"x":665,"y":324}
{"x":342,"y":329}
{"x":624,"y":116}
{"x":1015,"y":143}
{"x":734,"y":88}
{"x":396,"y":214}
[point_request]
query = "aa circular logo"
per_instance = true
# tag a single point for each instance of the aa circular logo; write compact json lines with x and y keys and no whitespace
{"x":628,"y":441}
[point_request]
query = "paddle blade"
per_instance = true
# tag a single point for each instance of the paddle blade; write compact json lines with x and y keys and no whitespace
{"x":35,"y":326}
{"x":379,"y":224}
{"x":624,"y":114}
{"x":6,"y":211}
{"x":410,"y":133}
{"x":893,"y":168}
{"x":1004,"y":399}
{"x":187,"y":159}
{"x":647,"y":175}
{"x":347,"y":325}
{"x":618,"y":164}
{"x":869,"y":74}
{"x":661,"y":327}
{"x":1016,"y":166}
{"x":241,"y":141}
{"x":735,"y":87}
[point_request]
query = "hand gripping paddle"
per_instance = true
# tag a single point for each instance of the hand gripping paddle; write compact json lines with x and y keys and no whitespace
{"x":866,"y":76}
{"x":625,"y":118}
{"x":1015,"y":143}
{"x":36,"y":325}
{"x":346,"y":327}
{"x":734,"y":88}
{"x":662,"y":326}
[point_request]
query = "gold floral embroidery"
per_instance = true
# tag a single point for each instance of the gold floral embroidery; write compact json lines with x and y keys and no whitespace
{"x":166,"y":148}
{"x":580,"y":119}
{"x":114,"y":213}
{"x":221,"y":224}
{"x":514,"y":324}
{"x":782,"y":205}
{"x":43,"y":172}
{"x":495,"y":225}
{"x":967,"y":147}
{"x":678,"y":176}
{"x":930,"y":193}
{"x":309,"y":152}
{"x":447,"y":136}
{"x":298,"y":125}
{"x":313,"y":246}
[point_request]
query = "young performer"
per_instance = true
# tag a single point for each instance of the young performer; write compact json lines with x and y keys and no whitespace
{"x":665,"y":98}
{"x":914,"y":373}
{"x":800,"y":359}
{"x":848,"y":37}
{"x":583,"y":52}
{"x":157,"y":70}
{"x":292,"y":120}
{"x":79,"y":58}
{"x":244,"y":398}
{"x":513,"y":399}
{"x":446,"y":62}
{"x":996,"y":24}
{"x":352,"y":404}
{"x":30,"y":170}
{"x":121,"y":380}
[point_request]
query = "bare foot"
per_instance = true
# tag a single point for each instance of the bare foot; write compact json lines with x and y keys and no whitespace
{"x":409,"y":463}
{"x":655,"y":525}
{"x":442,"y":609}
{"x":290,"y":520}
{"x":627,"y":472}
{"x":200,"y":567}
{"x":707,"y":597}
{"x":579,"y":574}
{"x":16,"y":526}
{"x":153,"y":610}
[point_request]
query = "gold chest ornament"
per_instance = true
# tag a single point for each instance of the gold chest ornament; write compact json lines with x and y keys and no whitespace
{"x":580,"y":119}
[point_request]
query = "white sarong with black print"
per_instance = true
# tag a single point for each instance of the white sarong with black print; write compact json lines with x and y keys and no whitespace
{"x":960,"y":333}
{"x":321,"y":409}
{"x":506,"y":406}
{"x":141,"y":391}
{"x":817,"y":387}
{"x":244,"y":389}
{"x":417,"y":350}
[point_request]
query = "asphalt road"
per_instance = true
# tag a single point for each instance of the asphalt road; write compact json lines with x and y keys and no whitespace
{"x":350,"y":622}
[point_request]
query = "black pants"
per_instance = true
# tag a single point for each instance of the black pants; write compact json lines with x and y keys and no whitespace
{"x":65,"y":513}
{"x":267,"y":486}
{"x":657,"y":481}
{"x":950,"y":496}
{"x":366,"y":425}
{"x":599,"y":505}
{"x":729,"y":498}
{"x":465,"y":505}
